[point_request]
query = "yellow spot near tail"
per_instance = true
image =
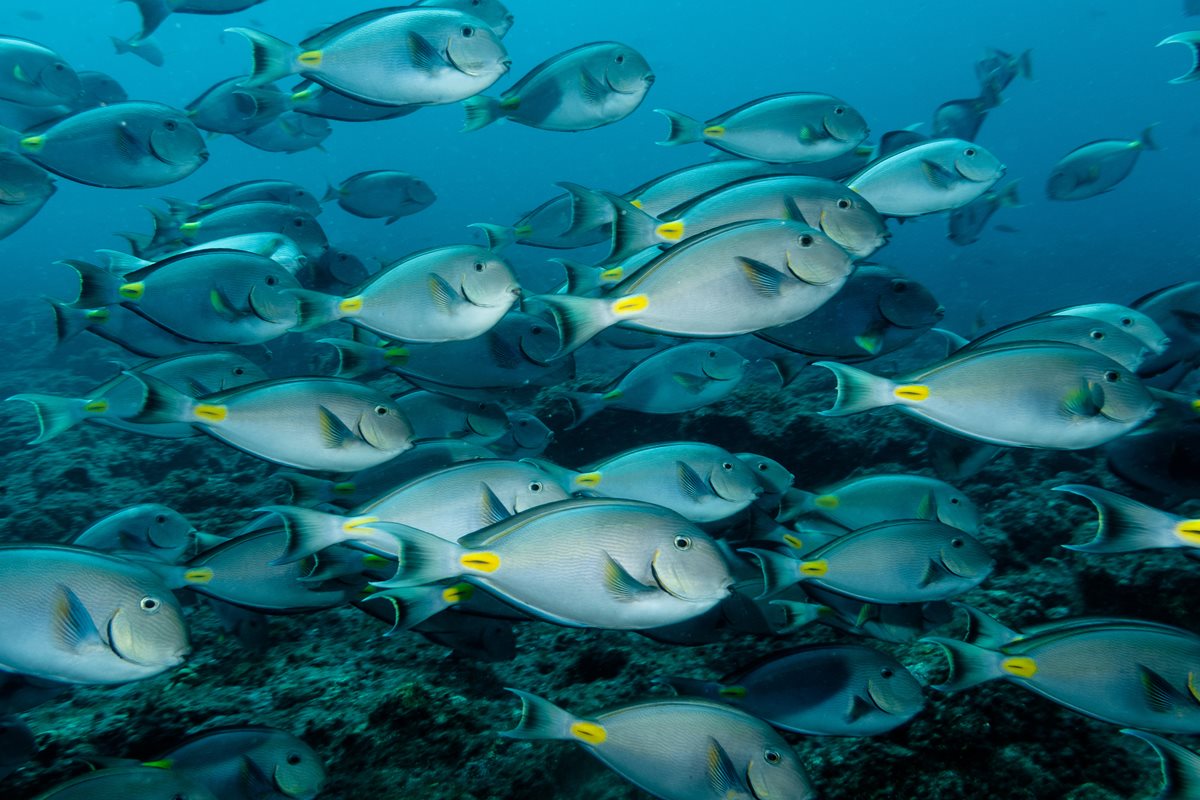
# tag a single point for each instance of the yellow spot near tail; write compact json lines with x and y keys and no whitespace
{"x":98,"y":315}
{"x":635,"y":203}
{"x":612,"y":275}
{"x":1196,"y":406}
{"x":310,"y":58}
{"x":714,"y":131}
{"x":396,"y":355}
{"x":521,"y":231}
{"x":589,"y":732}
{"x":510,"y":103}
{"x":914,"y":391}
{"x":210,"y":413}
{"x":162,"y":763}
{"x":351,"y":305}
{"x":1193,"y":689}
{"x":671,"y":231}
{"x":355,"y":523}
{"x":826,"y":501}
{"x":732,"y":691}
{"x":615,"y":394}
{"x":1021,"y":666}
{"x":33,"y":143}
{"x":794,"y":541}
{"x":96,"y":406}
{"x":344,"y":488}
{"x":814,"y":569}
{"x":132,"y":291}
{"x":481,"y":562}
{"x":1189,"y":531}
{"x":198,"y":575}
{"x":458,"y":593}
{"x":303,"y":95}
{"x":588,"y":479}
{"x":371,"y":561}
{"x":631,"y":305}
{"x":188,"y":228}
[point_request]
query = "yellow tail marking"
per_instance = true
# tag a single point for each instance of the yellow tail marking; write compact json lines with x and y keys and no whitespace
{"x":671,"y":231}
{"x":354,"y":523}
{"x":343,"y":488}
{"x":794,"y":541}
{"x":132,"y":291}
{"x":914,"y":391}
{"x":33,"y":143}
{"x":310,"y":58}
{"x":612,"y":275}
{"x":396,"y":355}
{"x":458,"y":593}
{"x":351,"y":305}
{"x":631,"y":305}
{"x":480,"y":562}
{"x":211,"y":413}
{"x":732,"y":691}
{"x":589,"y":732}
{"x":714,"y":131}
{"x":96,"y":406}
{"x":814,"y":569}
{"x":1021,"y":666}
{"x":826,"y":501}
{"x":1189,"y":531}
{"x":635,"y":203}
{"x":198,"y":575}
{"x":188,"y":228}
{"x":588,"y":479}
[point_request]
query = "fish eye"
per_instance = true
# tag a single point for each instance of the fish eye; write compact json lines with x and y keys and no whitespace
{"x":536,"y":486}
{"x":773,"y":756}
{"x":170,"y":125}
{"x":1097,"y":335}
{"x":969,"y":152}
{"x":682,"y":543}
{"x":479,"y":266}
{"x":727,"y":466}
{"x":843,"y":203}
{"x":956,"y":542}
{"x":953,"y":501}
{"x":620,"y":58}
{"x":899,"y":287}
{"x":806,"y":240}
{"x":239,"y":371}
{"x":160,"y":518}
{"x":59,"y":67}
{"x":298,"y":222}
{"x":150,"y":604}
{"x":886,"y":672}
{"x":381,"y":410}
{"x":536,"y":330}
{"x":1112,"y":376}
{"x":467,"y":31}
{"x":1126,"y":322}
{"x":762,"y":466}
{"x":294,"y":759}
{"x":712,"y":353}
{"x":839,"y":110}
{"x":272,"y":280}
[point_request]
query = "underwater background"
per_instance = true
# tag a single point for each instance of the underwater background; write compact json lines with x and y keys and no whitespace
{"x":400,"y":716}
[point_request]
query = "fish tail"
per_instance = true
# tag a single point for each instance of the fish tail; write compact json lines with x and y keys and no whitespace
{"x":153,"y":12}
{"x":180,"y":209}
{"x":97,"y":286}
{"x":121,"y":263}
{"x":1147,"y":138}
{"x":788,"y":367}
{"x":166,"y":226}
{"x":54,"y":414}
{"x":305,"y":490}
{"x":561,"y":475}
{"x":581,"y":278}
{"x":310,"y":531}
{"x":541,"y":719}
{"x":422,"y":557}
{"x":273,"y":59}
{"x":1124,"y":525}
{"x":984,"y":630}
{"x":10,"y":139}
{"x":584,"y":406}
{"x":1180,"y":766}
{"x":120,"y":45}
{"x":70,"y":321}
{"x":1008,"y":196}
{"x":970,"y":665}
{"x":1192,"y":40}
{"x":692,"y":687}
{"x":578,"y":318}
{"x":857,"y":390}
{"x":634,"y":230}
{"x":779,"y":571}
{"x":355,"y":359}
{"x":137,"y":242}
{"x":589,"y":209}
{"x":161,"y":402}
{"x":314,"y":309}
{"x":481,"y":111}
{"x":1025,"y":65}
{"x":331,"y":193}
{"x":795,"y":504}
{"x":684,"y":129}
{"x":498,"y":236}
{"x":798,"y":615}
{"x":416,"y":604}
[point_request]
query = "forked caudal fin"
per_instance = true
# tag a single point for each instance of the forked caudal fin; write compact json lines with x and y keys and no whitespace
{"x":1180,"y":767}
{"x":1125,"y":526}
{"x":859,"y":390}
{"x":273,"y":59}
{"x":684,"y":129}
{"x":1192,"y":40}
{"x":581,"y":318}
{"x":541,"y":719}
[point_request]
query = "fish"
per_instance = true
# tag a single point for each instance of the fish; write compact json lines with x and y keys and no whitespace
{"x":1133,"y":321}
{"x":819,"y":690}
{"x":147,"y":528}
{"x":229,"y":107}
{"x":1097,"y":167}
{"x":144,"y":49}
{"x":997,"y":69}
{"x":450,"y":503}
{"x":122,"y":783}
{"x":877,"y":311}
{"x":390,"y":56}
{"x":967,"y":222}
{"x":961,"y":119}
{"x":1176,"y":311}
{"x":124,"y":328}
{"x":586,"y":87}
{"x":437,"y":295}
{"x":114,"y":401}
{"x":1124,"y":672}
{"x":78,"y":616}
{"x":1180,"y":766}
{"x":1084,"y":331}
{"x":773,"y":477}
{"x":35,"y":75}
{"x":1192,"y":40}
{"x":246,"y":763}
{"x":890,"y":562}
{"x":793,"y":127}
{"x":99,"y":89}
{"x":317,"y":101}
{"x":441,"y":416}
{"x":254,"y":216}
{"x":212,"y":296}
{"x":1127,"y":526}
{"x":825,"y":205}
{"x":527,"y":437}
{"x":24,"y":190}
{"x":267,"y":189}
{"x":120,"y":146}
{"x":870,"y":499}
{"x":382,"y":194}
{"x":928,"y":177}
{"x":898,"y":624}
{"x":493,"y":12}
{"x":701,"y":482}
{"x":672,"y":381}
{"x":598,"y":563}
{"x":1051,"y":396}
{"x":288,"y":133}
{"x":677,"y":749}
{"x":304,"y":423}
{"x":155,"y":12}
{"x":275,"y":246}
{"x":765,"y":273}
{"x":1162,"y":458}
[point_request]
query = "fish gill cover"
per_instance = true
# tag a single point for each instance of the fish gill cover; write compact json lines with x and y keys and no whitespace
{"x":387,"y":386}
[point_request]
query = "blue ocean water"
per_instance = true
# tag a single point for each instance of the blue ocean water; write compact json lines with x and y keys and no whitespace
{"x":397,"y":716}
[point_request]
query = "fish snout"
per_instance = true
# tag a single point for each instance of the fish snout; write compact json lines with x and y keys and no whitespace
{"x":649,"y":79}
{"x":505,"y":64}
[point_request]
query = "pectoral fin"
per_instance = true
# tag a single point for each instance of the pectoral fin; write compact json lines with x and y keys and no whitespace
{"x":1161,"y":696}
{"x":443,"y":294}
{"x":765,"y":280}
{"x":938,"y":176}
{"x":723,"y":777}
{"x":621,"y":584}
{"x":424,"y":55}
{"x":690,"y":482}
{"x":334,"y":433}
{"x":593,"y":91}
{"x":73,"y":625}
{"x":694,"y":384}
